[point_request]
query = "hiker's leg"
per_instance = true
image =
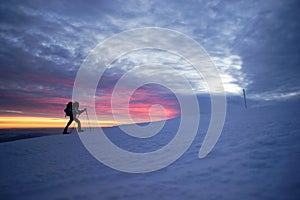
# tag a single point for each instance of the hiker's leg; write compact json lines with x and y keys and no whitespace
{"x":68,"y":124}
{"x":79,"y":124}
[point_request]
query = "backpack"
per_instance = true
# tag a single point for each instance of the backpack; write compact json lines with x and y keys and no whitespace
{"x":68,"y":109}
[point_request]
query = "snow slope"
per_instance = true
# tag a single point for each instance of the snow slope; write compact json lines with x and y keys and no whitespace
{"x":256,"y":157}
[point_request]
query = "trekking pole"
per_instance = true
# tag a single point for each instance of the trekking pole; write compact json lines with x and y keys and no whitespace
{"x":88,"y":119}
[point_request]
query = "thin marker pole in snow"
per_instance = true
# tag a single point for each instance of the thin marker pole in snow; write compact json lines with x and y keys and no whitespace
{"x":245,"y":100}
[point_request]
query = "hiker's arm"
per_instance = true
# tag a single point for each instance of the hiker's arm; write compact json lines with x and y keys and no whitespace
{"x":81,"y":111}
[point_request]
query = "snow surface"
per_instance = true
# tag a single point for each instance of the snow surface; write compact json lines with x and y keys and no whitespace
{"x":256,"y":157}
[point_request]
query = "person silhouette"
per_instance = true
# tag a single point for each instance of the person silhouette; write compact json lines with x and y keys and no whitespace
{"x":74,"y":111}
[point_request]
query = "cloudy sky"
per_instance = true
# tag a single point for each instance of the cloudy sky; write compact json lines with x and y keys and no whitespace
{"x":254,"y":44}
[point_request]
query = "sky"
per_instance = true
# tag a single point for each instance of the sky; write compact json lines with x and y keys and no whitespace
{"x":254,"y":44}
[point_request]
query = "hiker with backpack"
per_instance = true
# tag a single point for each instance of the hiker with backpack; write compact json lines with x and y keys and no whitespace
{"x":72,"y":110}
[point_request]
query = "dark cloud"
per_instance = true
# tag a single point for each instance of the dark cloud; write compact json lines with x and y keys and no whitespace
{"x":270,"y":50}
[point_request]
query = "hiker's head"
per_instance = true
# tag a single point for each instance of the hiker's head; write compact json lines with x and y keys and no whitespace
{"x":76,"y":104}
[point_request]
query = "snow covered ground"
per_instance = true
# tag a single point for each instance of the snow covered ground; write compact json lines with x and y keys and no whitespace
{"x":256,"y":157}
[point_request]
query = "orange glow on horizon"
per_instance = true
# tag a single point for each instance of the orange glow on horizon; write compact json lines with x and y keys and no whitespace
{"x":145,"y":105}
{"x":43,"y":122}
